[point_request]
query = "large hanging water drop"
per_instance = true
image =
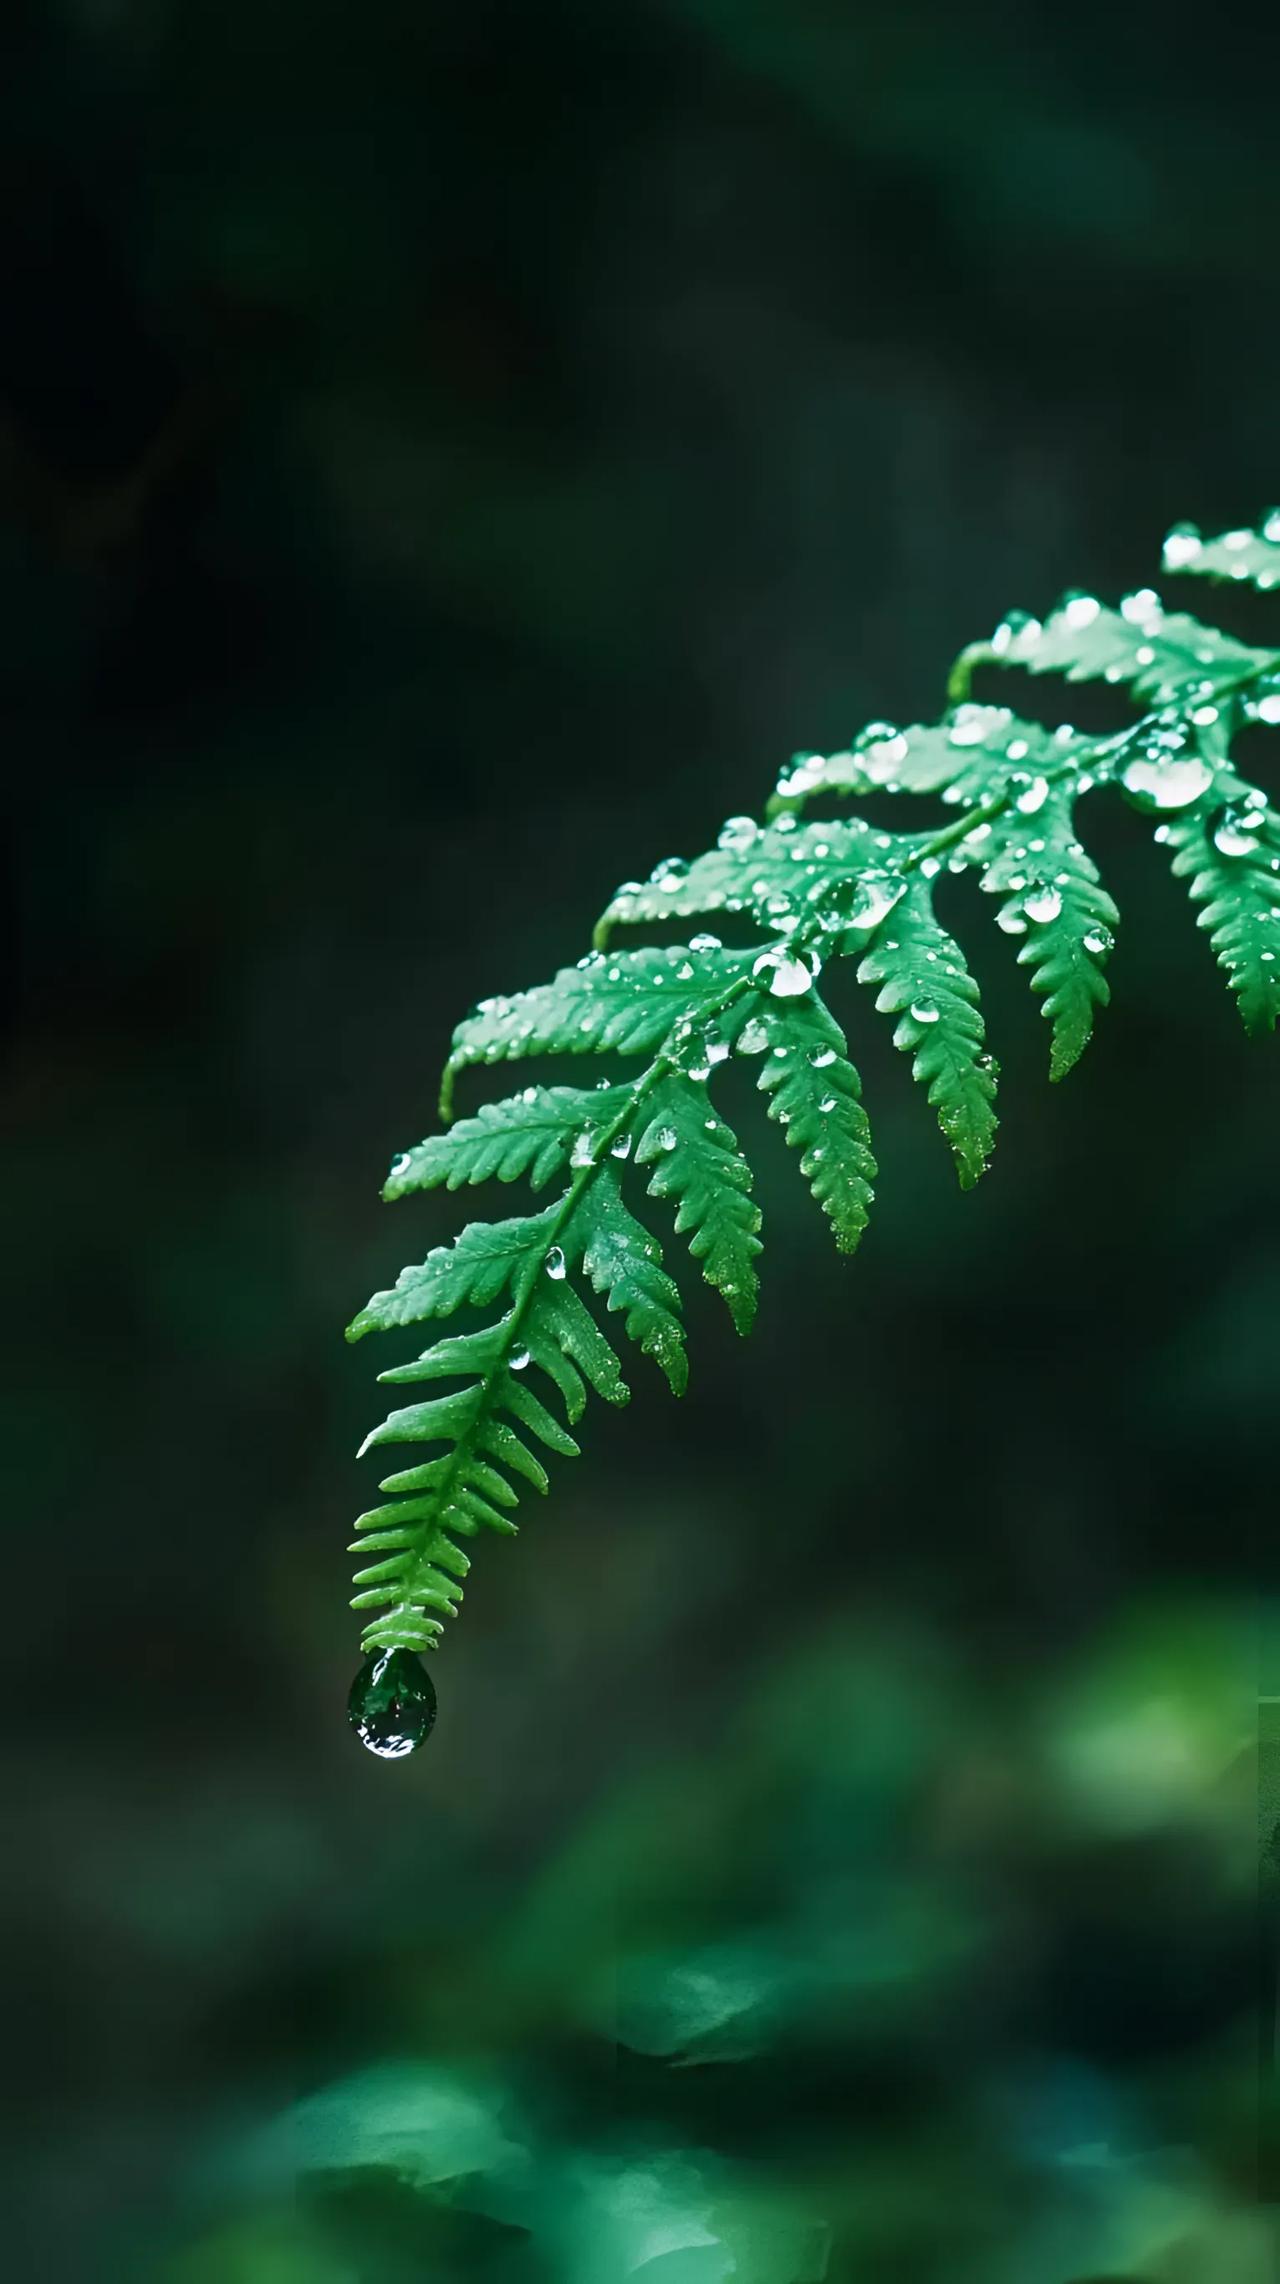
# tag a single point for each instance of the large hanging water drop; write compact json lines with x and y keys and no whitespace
{"x":392,"y":1706}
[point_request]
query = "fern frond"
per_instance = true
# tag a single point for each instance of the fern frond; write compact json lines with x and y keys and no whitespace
{"x":820,"y":892}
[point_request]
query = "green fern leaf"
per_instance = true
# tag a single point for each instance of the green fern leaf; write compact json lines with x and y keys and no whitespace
{"x":531,"y":1134}
{"x":1055,"y":903}
{"x":625,"y":1005}
{"x":1243,"y":554}
{"x":696,"y":1160}
{"x":1160,"y":654}
{"x":482,"y":1263}
{"x":1230,"y":857}
{"x":970,"y":754}
{"x":816,"y":1096}
{"x":624,"y":1264}
{"x":924,"y":982}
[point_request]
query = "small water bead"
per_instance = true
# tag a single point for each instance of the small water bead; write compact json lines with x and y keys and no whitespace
{"x":738,"y":834}
{"x":786,"y":975}
{"x":883,"y":753}
{"x":1032,"y":796}
{"x":669,"y":872}
{"x":583,"y":1151}
{"x":666,"y":1138}
{"x":554,"y":1263}
{"x":1235,"y":832}
{"x":401,"y":1165}
{"x":1080,"y":610}
{"x":392,"y":1705}
{"x":1042,"y":903}
{"x":827,"y":1104}
{"x":1267,"y":708}
{"x":1141,"y":607}
{"x":1182,"y":546}
{"x":519,"y":1359}
{"x":1098,"y":940}
{"x":971,"y":725}
{"x":621,"y":1148}
{"x":752,"y":1038}
{"x":820,"y":1058}
{"x":924,"y":1010}
{"x":1011,"y":921}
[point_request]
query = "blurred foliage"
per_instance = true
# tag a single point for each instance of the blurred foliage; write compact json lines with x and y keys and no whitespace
{"x":720,"y":2037}
{"x":412,"y":418}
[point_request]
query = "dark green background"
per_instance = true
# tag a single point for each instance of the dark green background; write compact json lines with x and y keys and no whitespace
{"x":450,"y":454}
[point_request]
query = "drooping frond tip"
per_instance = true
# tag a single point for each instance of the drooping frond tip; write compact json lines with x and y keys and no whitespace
{"x":665,"y":1020}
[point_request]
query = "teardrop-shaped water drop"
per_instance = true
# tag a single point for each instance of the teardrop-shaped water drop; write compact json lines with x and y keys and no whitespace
{"x":924,"y":1010}
{"x":752,"y":1038}
{"x":392,"y":1705}
{"x":554,"y":1263}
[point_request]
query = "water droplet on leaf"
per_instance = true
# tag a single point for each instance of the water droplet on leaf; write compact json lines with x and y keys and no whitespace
{"x":752,"y":1038}
{"x":1032,"y":796}
{"x":555,"y":1263}
{"x":784,"y":974}
{"x":1235,"y":832}
{"x":1182,"y":546}
{"x":392,"y":1705}
{"x":1154,"y":782}
{"x":924,"y":1010}
{"x":873,"y":899}
{"x":1042,"y":903}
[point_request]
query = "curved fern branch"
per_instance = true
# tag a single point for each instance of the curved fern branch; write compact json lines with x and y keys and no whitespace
{"x":819,"y":891}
